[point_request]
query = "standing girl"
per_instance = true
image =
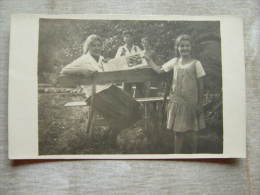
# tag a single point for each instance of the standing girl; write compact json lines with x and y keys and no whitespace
{"x":185,"y":114}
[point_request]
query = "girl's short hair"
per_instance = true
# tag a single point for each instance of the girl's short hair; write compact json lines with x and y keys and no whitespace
{"x":148,"y":39}
{"x":182,"y":37}
{"x":145,"y":38}
{"x":127,"y":32}
{"x":89,"y":40}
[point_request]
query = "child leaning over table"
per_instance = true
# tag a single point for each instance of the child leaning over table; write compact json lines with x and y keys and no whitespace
{"x":185,"y":111}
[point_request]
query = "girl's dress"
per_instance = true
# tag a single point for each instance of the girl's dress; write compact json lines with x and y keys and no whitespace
{"x":183,"y":114}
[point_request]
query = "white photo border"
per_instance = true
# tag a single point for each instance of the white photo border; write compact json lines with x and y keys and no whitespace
{"x":23,"y":87}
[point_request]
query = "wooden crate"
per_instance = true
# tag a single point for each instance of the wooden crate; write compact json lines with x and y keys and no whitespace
{"x":117,"y":107}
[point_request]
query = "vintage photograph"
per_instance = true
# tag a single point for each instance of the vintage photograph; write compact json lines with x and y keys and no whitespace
{"x":129,"y":87}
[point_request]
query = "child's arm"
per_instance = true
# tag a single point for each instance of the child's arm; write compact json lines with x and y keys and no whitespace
{"x":201,"y":91}
{"x":78,"y":67}
{"x":200,"y":75}
{"x":77,"y":71}
{"x":154,"y":66}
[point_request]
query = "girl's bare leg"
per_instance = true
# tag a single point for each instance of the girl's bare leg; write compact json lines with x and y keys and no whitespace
{"x":194,"y":139}
{"x":178,"y":143}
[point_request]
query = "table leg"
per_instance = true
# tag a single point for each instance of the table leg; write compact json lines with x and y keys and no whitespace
{"x":91,"y":117}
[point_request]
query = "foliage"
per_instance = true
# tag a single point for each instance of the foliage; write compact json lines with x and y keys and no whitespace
{"x":61,"y":40}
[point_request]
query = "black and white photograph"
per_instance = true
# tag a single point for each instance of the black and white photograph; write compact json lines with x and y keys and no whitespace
{"x":125,"y":87}
{"x":130,"y":97}
{"x":129,"y":87}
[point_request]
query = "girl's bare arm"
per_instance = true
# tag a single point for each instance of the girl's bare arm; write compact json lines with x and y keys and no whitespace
{"x":76,"y":71}
{"x":78,"y":67}
{"x":201,"y":90}
{"x":154,"y":66}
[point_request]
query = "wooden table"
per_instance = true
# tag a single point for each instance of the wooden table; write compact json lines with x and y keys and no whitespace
{"x":128,"y":76}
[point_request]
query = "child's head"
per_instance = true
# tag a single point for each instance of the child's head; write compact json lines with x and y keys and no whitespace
{"x":146,"y":43}
{"x":93,"y":44}
{"x":128,"y":37}
{"x":183,"y":46}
